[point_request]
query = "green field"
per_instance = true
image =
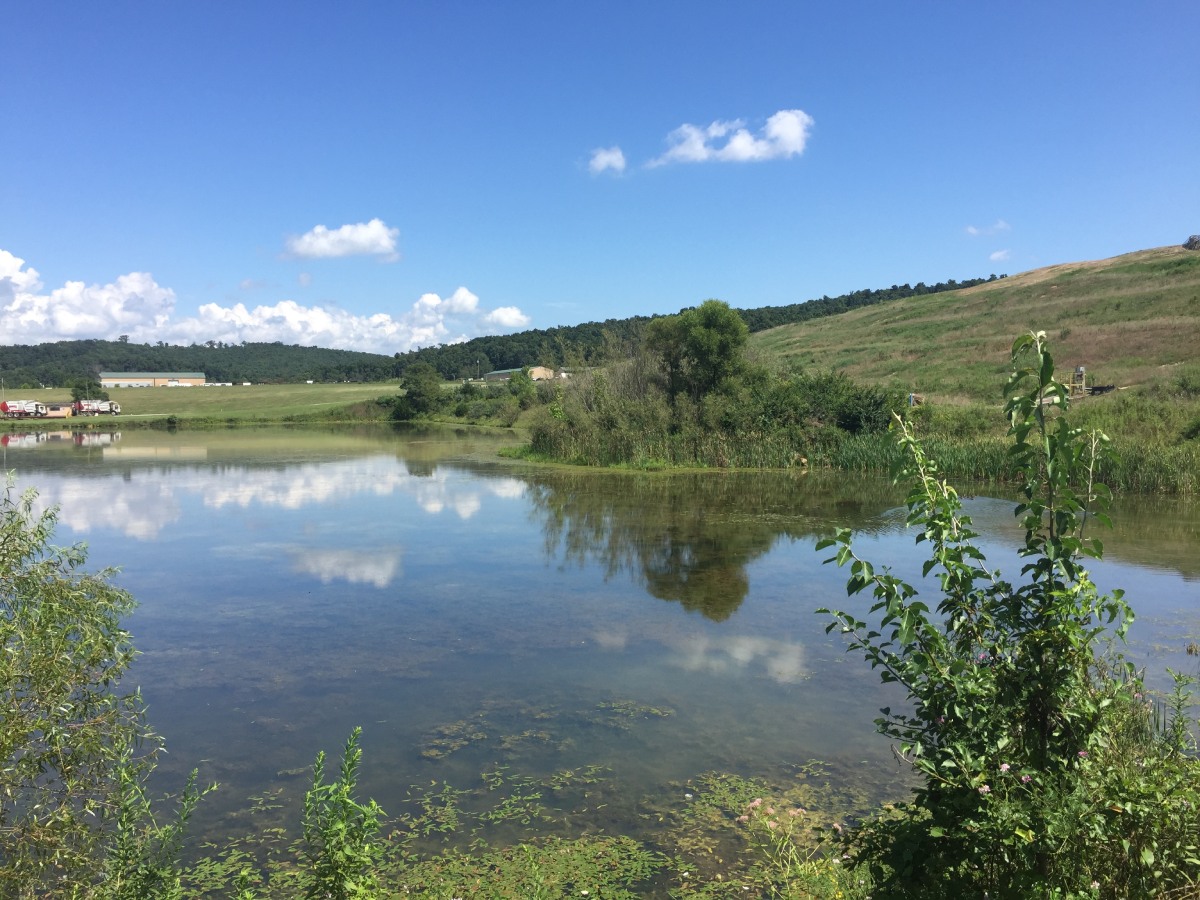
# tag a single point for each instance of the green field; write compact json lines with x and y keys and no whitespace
{"x":249,"y":403}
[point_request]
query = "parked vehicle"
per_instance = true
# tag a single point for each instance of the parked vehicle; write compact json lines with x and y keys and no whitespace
{"x":97,"y":408}
{"x":22,"y":409}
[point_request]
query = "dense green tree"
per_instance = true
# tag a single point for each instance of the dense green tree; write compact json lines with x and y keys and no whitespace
{"x":88,"y":389}
{"x":422,"y":389}
{"x":699,"y":348}
{"x":521,"y":386}
{"x":714,"y":335}
{"x":665,"y":340}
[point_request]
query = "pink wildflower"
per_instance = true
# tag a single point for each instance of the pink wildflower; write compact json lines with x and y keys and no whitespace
{"x":984,"y":789}
{"x":1025,"y":779}
{"x":743,"y":818}
{"x":755,"y":803}
{"x":1082,"y":754}
{"x":1004,"y":767}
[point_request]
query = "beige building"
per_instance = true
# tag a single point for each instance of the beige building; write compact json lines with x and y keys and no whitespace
{"x":151,"y":379}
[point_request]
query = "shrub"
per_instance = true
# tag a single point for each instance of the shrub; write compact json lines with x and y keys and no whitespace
{"x":74,"y":752}
{"x":1043,"y":771}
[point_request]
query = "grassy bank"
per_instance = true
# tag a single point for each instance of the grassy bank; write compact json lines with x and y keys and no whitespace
{"x":1157,"y":450}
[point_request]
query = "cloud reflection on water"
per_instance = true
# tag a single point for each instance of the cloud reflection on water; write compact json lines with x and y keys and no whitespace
{"x":378,"y":568}
{"x":150,"y":500}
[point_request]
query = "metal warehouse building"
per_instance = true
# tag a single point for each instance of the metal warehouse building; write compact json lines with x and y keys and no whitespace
{"x":151,"y":379}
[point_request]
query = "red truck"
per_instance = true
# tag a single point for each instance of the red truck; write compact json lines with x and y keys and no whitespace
{"x":96,"y":408}
{"x":22,"y":409}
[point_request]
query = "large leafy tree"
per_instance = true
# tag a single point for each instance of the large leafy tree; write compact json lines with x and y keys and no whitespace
{"x":699,"y":348}
{"x":88,"y":389}
{"x":714,"y":335}
{"x":422,"y":390}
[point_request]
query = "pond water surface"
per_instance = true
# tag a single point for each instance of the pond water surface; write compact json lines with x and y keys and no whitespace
{"x":471,"y":613}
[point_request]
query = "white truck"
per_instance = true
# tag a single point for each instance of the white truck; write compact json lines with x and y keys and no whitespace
{"x":22,"y":409}
{"x":97,"y":408}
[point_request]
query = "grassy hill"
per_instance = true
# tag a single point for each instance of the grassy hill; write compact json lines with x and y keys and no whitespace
{"x":1130,"y":320}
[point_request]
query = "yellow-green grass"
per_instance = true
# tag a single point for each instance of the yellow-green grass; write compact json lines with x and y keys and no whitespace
{"x":1129,"y":320}
{"x":256,"y":402}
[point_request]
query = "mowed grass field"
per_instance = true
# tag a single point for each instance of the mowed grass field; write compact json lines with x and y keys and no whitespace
{"x":1129,"y":320}
{"x":256,"y":402}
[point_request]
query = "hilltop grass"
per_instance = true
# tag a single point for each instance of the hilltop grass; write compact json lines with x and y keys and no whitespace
{"x":1129,"y":320}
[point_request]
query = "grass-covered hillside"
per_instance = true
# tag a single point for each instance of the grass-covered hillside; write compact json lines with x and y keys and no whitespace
{"x":1130,"y":320}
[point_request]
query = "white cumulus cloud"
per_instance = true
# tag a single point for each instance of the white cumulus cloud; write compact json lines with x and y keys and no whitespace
{"x":606,"y":159}
{"x":136,"y":305}
{"x":77,"y":310}
{"x":1000,"y":255}
{"x":784,"y":135}
{"x":507,"y":317}
{"x":372,"y":238}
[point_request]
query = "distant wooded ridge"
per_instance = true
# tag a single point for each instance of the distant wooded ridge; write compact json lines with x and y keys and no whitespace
{"x":62,"y":362}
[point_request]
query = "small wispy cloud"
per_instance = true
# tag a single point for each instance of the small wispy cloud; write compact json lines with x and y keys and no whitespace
{"x":996,"y":227}
{"x":784,"y":135}
{"x":372,"y":238}
{"x":1000,"y":255}
{"x":607,"y":159}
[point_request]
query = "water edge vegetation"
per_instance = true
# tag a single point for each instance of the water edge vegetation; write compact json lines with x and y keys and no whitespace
{"x":1047,"y":768}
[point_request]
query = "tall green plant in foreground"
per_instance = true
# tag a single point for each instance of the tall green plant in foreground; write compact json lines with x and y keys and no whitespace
{"x":74,"y":752}
{"x":340,"y":832}
{"x":1042,"y":770}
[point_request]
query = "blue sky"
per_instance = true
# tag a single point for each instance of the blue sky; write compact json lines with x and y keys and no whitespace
{"x":381,"y":176}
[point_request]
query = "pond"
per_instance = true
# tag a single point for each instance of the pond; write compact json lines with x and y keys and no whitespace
{"x":474,"y":614}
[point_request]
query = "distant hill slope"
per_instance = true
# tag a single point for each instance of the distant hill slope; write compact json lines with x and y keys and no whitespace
{"x":1128,"y":320}
{"x":595,"y":343}
{"x":64,"y":362}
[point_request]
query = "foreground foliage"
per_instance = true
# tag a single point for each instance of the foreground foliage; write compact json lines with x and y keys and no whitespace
{"x":74,"y":752}
{"x":1044,"y":769}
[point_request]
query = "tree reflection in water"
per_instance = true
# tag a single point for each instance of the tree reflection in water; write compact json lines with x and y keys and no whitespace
{"x":689,"y":538}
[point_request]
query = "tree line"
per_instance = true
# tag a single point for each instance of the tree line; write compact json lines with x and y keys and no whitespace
{"x":597,"y":343}
{"x":63,"y":363}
